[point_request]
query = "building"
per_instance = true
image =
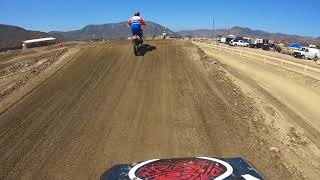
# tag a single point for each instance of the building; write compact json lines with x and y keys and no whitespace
{"x":38,"y":42}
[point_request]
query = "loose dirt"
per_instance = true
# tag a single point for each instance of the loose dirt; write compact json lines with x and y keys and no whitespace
{"x":107,"y":106}
{"x":289,"y":103}
{"x":19,"y":67}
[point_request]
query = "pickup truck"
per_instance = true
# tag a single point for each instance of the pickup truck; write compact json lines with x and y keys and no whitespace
{"x":239,"y":43}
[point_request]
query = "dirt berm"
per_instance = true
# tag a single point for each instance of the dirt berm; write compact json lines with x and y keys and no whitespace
{"x":109,"y":107}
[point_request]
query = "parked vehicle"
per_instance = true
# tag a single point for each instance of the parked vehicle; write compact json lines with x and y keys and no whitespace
{"x":312,"y":46}
{"x":247,"y":39}
{"x":256,"y":43}
{"x":268,"y":44}
{"x":223,"y":40}
{"x":230,"y":38}
{"x":307,"y":53}
{"x":239,"y":43}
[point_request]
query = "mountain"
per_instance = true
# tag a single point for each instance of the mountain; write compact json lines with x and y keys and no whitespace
{"x":111,"y":31}
{"x":247,"y":32}
{"x":11,"y":36}
{"x":197,"y":33}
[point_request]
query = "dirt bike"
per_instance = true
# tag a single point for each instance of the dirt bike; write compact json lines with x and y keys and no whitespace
{"x":137,"y":44}
{"x":204,"y":168}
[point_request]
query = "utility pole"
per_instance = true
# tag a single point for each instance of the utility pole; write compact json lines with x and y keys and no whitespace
{"x":225,"y":27}
{"x":213,"y":29}
{"x":228,"y":26}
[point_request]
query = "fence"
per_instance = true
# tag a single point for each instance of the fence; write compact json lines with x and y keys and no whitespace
{"x":286,"y":64}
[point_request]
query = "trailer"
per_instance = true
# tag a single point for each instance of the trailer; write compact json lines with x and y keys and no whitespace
{"x":38,"y":42}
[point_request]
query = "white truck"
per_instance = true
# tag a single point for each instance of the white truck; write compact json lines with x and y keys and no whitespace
{"x":307,"y":53}
{"x":239,"y":43}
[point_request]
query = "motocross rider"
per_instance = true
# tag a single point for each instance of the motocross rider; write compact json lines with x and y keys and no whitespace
{"x":136,"y":22}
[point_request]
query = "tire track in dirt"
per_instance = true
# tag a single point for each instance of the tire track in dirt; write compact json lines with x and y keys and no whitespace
{"x":109,"y":107}
{"x":285,"y":101}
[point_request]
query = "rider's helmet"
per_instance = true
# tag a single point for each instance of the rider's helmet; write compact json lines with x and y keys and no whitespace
{"x":137,"y":14}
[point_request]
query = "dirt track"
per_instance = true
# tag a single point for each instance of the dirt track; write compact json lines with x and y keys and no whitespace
{"x":109,"y":107}
{"x":289,"y":102}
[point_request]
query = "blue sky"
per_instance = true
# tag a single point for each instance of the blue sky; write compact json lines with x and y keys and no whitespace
{"x":300,"y":17}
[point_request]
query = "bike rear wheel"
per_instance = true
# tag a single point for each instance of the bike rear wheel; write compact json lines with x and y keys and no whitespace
{"x":135,"y":48}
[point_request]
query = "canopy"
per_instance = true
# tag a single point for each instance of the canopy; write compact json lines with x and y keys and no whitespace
{"x":295,"y":45}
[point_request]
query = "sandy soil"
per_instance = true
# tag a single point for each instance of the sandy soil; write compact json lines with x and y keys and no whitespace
{"x":289,"y":103}
{"x":19,"y":67}
{"x":107,"y":106}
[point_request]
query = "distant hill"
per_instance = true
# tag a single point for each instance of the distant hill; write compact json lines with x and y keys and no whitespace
{"x":198,"y":33}
{"x":11,"y":36}
{"x":247,"y":32}
{"x":111,"y":31}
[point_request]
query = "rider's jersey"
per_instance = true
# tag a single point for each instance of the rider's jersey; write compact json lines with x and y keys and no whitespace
{"x":135,"y":22}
